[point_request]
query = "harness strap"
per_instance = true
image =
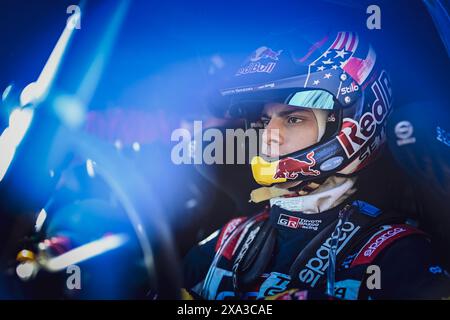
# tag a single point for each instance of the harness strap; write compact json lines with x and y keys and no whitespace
{"x":250,"y":246}
{"x":312,"y":263}
{"x":382,"y":240}
{"x":257,"y":259}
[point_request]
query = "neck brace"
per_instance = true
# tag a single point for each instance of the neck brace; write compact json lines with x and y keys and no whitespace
{"x":329,"y":195}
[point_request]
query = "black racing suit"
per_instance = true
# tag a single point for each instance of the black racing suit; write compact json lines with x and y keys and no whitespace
{"x":377,"y":256}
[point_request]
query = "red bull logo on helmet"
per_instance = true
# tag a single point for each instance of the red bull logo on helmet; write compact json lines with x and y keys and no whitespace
{"x":256,"y":67}
{"x":291,"y":168}
{"x":354,"y":135}
{"x":262,"y":53}
{"x":265,"y":53}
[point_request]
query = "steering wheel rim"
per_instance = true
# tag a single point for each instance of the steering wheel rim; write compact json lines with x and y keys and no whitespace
{"x":137,"y":199}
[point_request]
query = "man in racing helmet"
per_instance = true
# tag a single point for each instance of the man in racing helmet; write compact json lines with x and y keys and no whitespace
{"x":323,"y":107}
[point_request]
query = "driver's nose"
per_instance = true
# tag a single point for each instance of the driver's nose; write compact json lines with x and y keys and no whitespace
{"x":272,"y":137}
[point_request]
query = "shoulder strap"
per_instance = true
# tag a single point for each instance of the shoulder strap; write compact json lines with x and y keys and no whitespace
{"x":226,"y":231}
{"x":310,"y":267}
{"x":233,"y":235}
{"x":256,"y":259}
{"x":382,"y":240}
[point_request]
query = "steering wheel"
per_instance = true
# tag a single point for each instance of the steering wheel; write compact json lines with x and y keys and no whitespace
{"x":134,"y":195}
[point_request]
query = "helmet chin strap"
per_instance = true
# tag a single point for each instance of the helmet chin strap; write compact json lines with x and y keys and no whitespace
{"x":267,"y":193}
{"x":330,"y":194}
{"x":308,"y":197}
{"x":306,"y":187}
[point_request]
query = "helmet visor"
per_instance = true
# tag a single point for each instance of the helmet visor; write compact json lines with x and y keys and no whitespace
{"x":313,"y":99}
{"x":250,"y":105}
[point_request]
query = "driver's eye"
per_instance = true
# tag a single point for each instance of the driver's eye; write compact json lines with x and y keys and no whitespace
{"x":264,"y":122}
{"x":294,"y":120}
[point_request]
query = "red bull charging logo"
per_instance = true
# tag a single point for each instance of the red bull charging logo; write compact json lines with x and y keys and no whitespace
{"x":290,"y":168}
{"x":262,"y":53}
{"x":265,"y":53}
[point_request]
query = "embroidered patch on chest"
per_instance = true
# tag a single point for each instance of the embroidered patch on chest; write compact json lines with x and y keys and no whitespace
{"x":293,"y":222}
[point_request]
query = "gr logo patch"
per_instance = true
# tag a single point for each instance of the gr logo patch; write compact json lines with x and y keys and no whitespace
{"x":288,"y":221}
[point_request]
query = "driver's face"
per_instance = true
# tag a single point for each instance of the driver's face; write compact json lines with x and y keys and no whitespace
{"x":287,"y":129}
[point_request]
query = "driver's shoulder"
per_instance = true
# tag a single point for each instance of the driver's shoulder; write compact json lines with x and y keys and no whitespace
{"x":212,"y":243}
{"x":198,"y":259}
{"x":397,"y":239}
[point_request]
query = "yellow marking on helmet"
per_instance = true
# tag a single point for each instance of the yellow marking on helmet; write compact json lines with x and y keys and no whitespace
{"x":25,"y":255}
{"x":264,"y":171}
